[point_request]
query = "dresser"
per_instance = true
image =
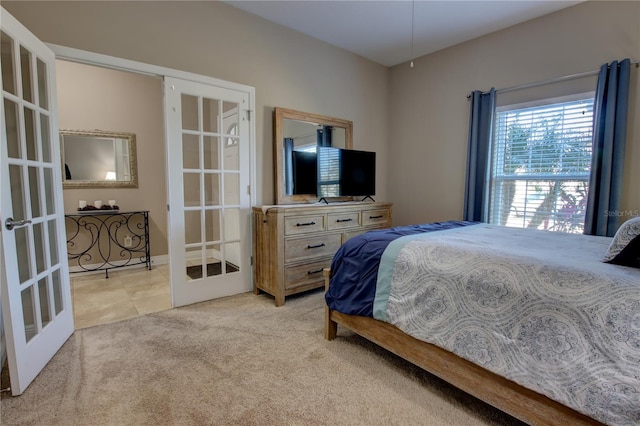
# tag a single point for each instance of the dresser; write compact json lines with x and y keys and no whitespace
{"x":292,"y":244}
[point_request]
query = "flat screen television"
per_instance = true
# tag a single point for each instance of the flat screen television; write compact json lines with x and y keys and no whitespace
{"x":305,"y":166}
{"x":345,"y":173}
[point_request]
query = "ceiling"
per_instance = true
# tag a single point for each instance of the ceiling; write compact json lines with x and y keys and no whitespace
{"x":381,"y":30}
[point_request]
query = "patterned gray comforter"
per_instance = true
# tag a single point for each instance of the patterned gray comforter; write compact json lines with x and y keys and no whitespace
{"x":536,"y":307}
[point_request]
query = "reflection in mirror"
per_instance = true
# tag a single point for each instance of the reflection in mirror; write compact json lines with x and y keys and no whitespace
{"x":301,"y":139}
{"x":297,"y":135}
{"x":98,"y":159}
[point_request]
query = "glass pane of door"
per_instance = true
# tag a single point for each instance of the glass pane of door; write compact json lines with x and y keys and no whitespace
{"x":23,"y":251}
{"x":43,"y":93}
{"x":39,"y":246}
{"x":210,"y":115}
{"x":17,"y":191}
{"x":28,"y":313}
{"x":214,"y":260}
{"x":14,"y":148}
{"x":44,"y":297}
{"x":45,"y":131}
{"x":190,"y":151}
{"x":7,"y":58}
{"x":212,"y":189}
{"x":58,"y":292}
{"x":30,"y":133}
{"x":34,"y":189}
{"x":53,"y":243}
{"x":25,"y":60}
{"x":211,"y":153}
{"x":191,"y":189}
{"x":190,"y":112}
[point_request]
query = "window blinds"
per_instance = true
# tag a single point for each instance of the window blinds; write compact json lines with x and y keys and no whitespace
{"x":329,"y":172}
{"x":541,"y":162}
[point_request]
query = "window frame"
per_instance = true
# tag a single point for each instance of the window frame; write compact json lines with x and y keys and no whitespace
{"x":493,"y":194}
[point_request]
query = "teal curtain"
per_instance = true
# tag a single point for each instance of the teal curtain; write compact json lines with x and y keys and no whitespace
{"x":480,"y":126}
{"x":609,"y":139}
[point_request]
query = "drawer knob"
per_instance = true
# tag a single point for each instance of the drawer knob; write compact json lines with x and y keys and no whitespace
{"x":305,"y":224}
{"x":315,"y":246}
{"x":344,"y":220}
{"x":376,"y":217}
{"x":314,"y":272}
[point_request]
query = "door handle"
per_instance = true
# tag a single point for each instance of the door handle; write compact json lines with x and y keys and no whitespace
{"x":10,"y":223}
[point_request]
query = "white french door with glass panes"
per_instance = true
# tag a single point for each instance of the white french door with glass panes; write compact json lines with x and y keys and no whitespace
{"x":208,"y":133}
{"x":36,"y":297}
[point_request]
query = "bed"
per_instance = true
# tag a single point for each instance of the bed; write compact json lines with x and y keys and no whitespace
{"x":531,"y":322}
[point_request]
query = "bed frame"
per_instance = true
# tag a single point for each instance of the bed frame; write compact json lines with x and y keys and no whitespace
{"x":506,"y":395}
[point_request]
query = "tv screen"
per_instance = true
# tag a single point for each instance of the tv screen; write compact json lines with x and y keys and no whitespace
{"x":305,"y":166}
{"x":346,"y":172}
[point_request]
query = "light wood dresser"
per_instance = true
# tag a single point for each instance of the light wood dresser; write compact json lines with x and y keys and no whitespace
{"x":293,"y":243}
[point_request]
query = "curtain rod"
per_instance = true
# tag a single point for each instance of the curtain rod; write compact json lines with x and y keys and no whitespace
{"x":550,"y":81}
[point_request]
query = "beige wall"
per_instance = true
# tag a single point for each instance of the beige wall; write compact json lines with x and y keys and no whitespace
{"x":429,"y":109}
{"x":415,"y":118}
{"x":214,"y":39}
{"x":92,"y":98}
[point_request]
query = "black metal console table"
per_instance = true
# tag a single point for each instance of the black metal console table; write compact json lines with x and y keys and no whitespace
{"x":112,"y":240}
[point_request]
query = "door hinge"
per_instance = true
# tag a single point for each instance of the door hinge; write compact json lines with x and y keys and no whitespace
{"x":248,"y":189}
{"x":168,"y":209}
{"x":251,"y":260}
{"x":249,"y":114}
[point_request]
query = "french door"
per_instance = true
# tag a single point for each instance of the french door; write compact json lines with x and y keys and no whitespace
{"x":36,"y":297}
{"x":208,"y":134}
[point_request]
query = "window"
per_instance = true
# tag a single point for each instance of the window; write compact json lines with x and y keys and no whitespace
{"x":541,"y":161}
{"x":329,"y":164}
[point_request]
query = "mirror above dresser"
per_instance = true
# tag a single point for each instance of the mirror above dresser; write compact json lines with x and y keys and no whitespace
{"x":297,"y":133}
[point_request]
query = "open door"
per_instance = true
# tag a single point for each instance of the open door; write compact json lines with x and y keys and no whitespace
{"x":209,"y":199}
{"x":36,"y":296}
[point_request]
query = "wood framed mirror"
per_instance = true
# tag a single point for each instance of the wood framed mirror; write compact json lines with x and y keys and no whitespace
{"x":98,"y":159}
{"x":296,"y":136}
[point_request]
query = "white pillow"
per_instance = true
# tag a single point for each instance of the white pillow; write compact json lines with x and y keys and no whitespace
{"x":625,"y":234}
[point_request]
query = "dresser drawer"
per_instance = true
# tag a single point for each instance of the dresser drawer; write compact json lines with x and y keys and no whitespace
{"x":375,"y":217}
{"x":303,"y":224}
{"x":343,"y":220}
{"x":305,"y":274}
{"x":312,"y":247}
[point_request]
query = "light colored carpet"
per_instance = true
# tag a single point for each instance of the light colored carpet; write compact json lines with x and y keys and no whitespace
{"x":237,"y":360}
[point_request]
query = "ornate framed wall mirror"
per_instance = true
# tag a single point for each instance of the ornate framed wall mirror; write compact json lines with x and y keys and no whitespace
{"x":93,"y":159}
{"x":296,"y":136}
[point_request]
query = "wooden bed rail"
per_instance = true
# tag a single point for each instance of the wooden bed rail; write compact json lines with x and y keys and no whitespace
{"x":506,"y":395}
{"x":330,"y":327}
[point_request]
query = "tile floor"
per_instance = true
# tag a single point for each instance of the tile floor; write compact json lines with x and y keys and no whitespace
{"x":125,"y":294}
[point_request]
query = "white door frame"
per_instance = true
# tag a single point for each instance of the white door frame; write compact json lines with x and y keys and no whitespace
{"x":105,"y":61}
